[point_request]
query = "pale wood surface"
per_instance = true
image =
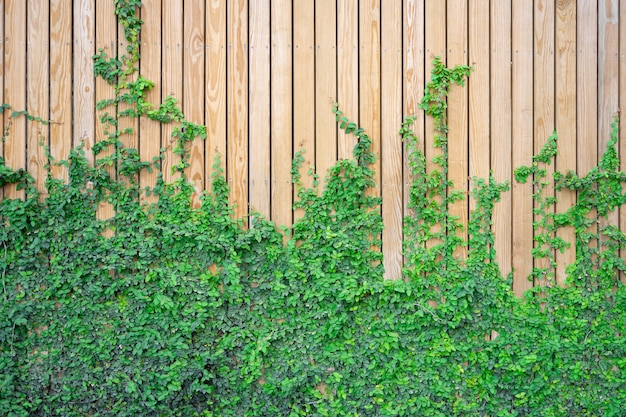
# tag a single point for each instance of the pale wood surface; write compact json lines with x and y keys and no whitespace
{"x":522,"y":142}
{"x":565,"y":116}
{"x":260,"y":93}
{"x":391,"y":158}
{"x":501,"y":128}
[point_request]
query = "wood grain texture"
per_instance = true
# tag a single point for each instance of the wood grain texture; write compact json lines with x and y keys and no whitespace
{"x":501,"y":127}
{"x":106,"y":39}
{"x":522,"y":142}
{"x":193,"y":90}
{"x":260,"y":106}
{"x":347,"y":70}
{"x":325,"y":86}
{"x":391,"y":145}
{"x":479,"y":91}
{"x":171,"y":77}
{"x":60,"y":82}
{"x":15,"y":87}
{"x":458,"y":112}
{"x":369,"y":79}
{"x":237,"y":105}
{"x":414,"y":79}
{"x":608,"y":80}
{"x":282,"y":113}
{"x":544,"y":102}
{"x":37,"y":59}
{"x":150,"y":68}
{"x":565,"y":116}
{"x":215,"y":87}
{"x":622,"y":105}
{"x":84,"y":82}
{"x":587,"y":83}
{"x":304,"y":88}
{"x":435,"y":45}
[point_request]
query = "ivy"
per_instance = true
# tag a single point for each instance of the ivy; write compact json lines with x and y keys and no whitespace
{"x":171,"y":309}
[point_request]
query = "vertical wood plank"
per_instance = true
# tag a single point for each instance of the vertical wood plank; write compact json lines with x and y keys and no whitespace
{"x":479,"y":90}
{"x":84,"y":83}
{"x":565,"y":116}
{"x":458,"y":112}
{"x":106,"y":39}
{"x":15,"y":87}
{"x":282,"y":113}
{"x":237,"y":105}
{"x":128,"y":126}
{"x":2,"y":100}
{"x":435,"y":45}
{"x":260,"y":156}
{"x":587,"y":83}
{"x":347,"y":70}
{"x":304,"y":91}
{"x":150,"y":68}
{"x":544,"y":87}
{"x":215,"y":87}
{"x":193,"y":89}
{"x":61,"y":87}
{"x":172,"y":76}
{"x":608,"y":79}
{"x":325,"y":86}
{"x":391,"y":145}
{"x":369,"y":79}
{"x":38,"y":87}
{"x":501,"y":127}
{"x":622,"y":104}
{"x":522,"y":142}
{"x":414,"y":79}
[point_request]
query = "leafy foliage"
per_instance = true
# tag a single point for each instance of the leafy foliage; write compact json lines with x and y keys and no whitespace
{"x":168,"y":309}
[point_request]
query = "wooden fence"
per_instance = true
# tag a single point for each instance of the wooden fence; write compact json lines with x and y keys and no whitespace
{"x":262,"y":76}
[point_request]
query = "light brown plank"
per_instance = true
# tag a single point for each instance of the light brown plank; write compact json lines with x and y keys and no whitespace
{"x":587,"y":84}
{"x":38,"y":33}
{"x":3,"y":116}
{"x":435,"y":45}
{"x":622,"y":121}
{"x":458,"y":112}
{"x":304,"y":91}
{"x":237,"y":105}
{"x":414,"y":79}
{"x":544,"y":88}
{"x":522,"y":142}
{"x":15,"y":87}
{"x":565,"y":119}
{"x":215,"y":86}
{"x":61,"y":82}
{"x":260,"y":156}
{"x":150,"y":68}
{"x":106,"y":39}
{"x":347,"y":70}
{"x":391,"y":146}
{"x":608,"y":79}
{"x":193,"y":89}
{"x":128,"y":126}
{"x":84,"y":82}
{"x":479,"y":91}
{"x":501,"y":127}
{"x":171,"y":77}
{"x":325,"y":86}
{"x":282,"y":114}
{"x":369,"y":79}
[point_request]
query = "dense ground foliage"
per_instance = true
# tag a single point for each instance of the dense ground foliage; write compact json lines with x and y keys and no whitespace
{"x":166,"y":309}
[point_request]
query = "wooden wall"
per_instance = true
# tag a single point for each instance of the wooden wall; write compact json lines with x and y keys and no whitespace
{"x":262,"y":76}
